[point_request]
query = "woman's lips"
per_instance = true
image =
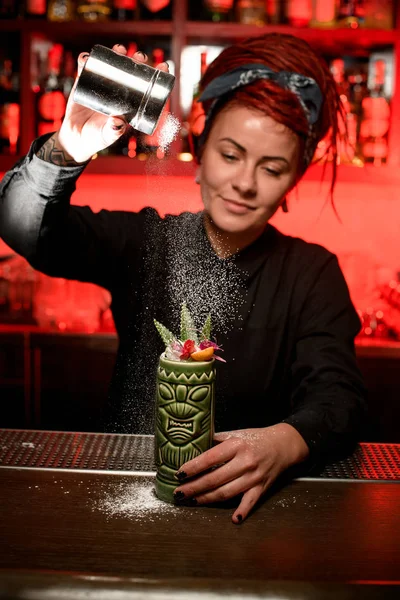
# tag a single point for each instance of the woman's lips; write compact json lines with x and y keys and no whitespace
{"x":237,"y":207}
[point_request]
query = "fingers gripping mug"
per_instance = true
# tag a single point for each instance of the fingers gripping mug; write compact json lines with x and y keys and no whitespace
{"x":115,"y":85}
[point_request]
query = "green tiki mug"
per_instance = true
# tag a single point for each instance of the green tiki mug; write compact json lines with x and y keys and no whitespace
{"x":185,"y":407}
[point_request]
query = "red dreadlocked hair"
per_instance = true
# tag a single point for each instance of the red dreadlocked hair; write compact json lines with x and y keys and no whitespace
{"x":282,"y":52}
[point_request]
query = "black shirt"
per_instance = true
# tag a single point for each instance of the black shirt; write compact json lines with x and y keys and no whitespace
{"x":280,"y":308}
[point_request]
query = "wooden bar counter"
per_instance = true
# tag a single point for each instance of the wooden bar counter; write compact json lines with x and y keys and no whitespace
{"x":91,"y":533}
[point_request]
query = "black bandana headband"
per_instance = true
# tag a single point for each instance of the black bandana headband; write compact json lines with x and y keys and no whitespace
{"x":305,"y":88}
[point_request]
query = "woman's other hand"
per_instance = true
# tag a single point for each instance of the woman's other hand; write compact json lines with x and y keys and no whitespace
{"x":85,"y":132}
{"x":246,"y":461}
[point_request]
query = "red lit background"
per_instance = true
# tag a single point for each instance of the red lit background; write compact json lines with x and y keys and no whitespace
{"x":366,"y":240}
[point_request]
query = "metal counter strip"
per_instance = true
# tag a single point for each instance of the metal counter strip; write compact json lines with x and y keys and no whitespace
{"x":134,"y":454}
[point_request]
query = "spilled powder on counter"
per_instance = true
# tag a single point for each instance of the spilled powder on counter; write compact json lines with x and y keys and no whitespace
{"x":135,"y":501}
{"x":286,"y":502}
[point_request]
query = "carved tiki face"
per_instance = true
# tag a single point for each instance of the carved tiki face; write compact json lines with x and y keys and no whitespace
{"x":184,"y":400}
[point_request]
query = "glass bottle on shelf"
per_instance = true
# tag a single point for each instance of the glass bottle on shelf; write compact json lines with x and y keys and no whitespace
{"x":351,"y":13}
{"x":196,"y":115}
{"x":299,"y":12}
{"x":60,"y":11}
{"x":275,"y":11}
{"x":324,"y":13}
{"x":69,"y":73}
{"x":195,"y":119}
{"x":218,"y":10}
{"x":36,"y":9}
{"x":51,"y":101}
{"x":9,"y":9}
{"x":94,"y":10}
{"x":123,"y":10}
{"x":251,"y":12}
{"x":375,"y":118}
{"x":9,"y":108}
{"x":150,"y":144}
{"x":357,"y":79}
{"x":347,"y":150}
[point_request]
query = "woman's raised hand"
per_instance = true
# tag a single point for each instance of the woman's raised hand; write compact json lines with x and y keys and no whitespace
{"x":246,"y":462}
{"x":85,"y":132}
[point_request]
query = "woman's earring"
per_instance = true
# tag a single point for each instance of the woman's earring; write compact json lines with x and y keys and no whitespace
{"x":285,"y":206}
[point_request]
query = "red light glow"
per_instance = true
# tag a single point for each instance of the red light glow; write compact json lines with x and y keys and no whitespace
{"x":365,"y":241}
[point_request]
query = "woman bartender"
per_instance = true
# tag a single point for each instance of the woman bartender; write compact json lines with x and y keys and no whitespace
{"x":290,"y":389}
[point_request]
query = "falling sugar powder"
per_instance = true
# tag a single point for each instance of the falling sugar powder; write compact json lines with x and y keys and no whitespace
{"x":199,"y":277}
{"x":169,"y":131}
{"x":135,"y":501}
{"x":179,"y":265}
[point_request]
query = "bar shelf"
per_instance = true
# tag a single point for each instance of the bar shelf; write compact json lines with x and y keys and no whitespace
{"x":181,"y":31}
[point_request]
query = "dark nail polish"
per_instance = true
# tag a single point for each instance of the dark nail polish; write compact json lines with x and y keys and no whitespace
{"x":179,"y":496}
{"x":180,"y":475}
{"x":117,"y":127}
{"x":239,"y":518}
{"x":85,"y":55}
{"x":192,"y":502}
{"x":142,"y":53}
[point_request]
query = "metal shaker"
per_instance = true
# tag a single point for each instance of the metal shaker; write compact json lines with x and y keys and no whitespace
{"x":117,"y":86}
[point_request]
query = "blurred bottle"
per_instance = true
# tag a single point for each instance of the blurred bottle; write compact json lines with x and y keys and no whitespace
{"x":52,"y":304}
{"x":375,"y":118}
{"x":196,"y":116}
{"x":218,"y":10}
{"x":379,"y":14}
{"x":351,"y":13}
{"x":60,"y":11}
{"x":151,"y":143}
{"x":94,"y":10}
{"x":69,"y":73}
{"x":324,"y":13}
{"x":9,"y":9}
{"x":251,"y":12}
{"x":17,"y":290}
{"x":51,"y":102}
{"x":9,"y":108}
{"x":375,"y":323}
{"x":124,"y":10}
{"x":347,"y":150}
{"x":390,"y":291}
{"x":357,"y":80}
{"x":275,"y":11}
{"x":194,"y":124}
{"x":36,"y":9}
{"x":155,"y":9}
{"x":299,"y":12}
{"x":36,"y":70}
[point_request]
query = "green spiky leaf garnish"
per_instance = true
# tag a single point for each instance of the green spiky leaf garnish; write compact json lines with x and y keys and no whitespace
{"x":188,"y":329}
{"x":206,"y":330}
{"x":166,"y":335}
{"x":188,"y":347}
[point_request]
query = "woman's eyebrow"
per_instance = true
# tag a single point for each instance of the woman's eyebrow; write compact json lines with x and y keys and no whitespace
{"x":242,"y":149}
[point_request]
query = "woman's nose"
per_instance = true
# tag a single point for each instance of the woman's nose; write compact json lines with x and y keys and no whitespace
{"x":245,"y":181}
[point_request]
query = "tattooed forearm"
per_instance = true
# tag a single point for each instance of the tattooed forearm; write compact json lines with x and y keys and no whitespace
{"x":52,"y":153}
